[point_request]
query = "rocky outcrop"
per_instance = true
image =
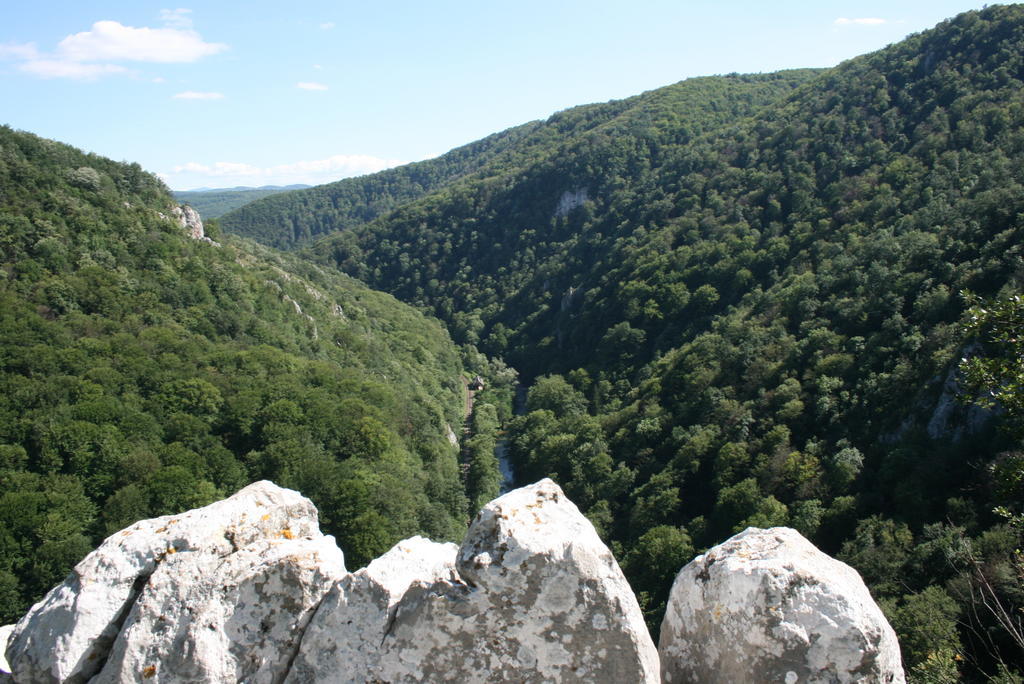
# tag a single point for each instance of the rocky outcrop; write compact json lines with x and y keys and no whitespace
{"x":346,"y":639}
{"x":165,"y":573}
{"x":248,"y":589}
{"x":189,"y":219}
{"x":532,"y":595}
{"x":767,"y":606}
{"x":539,"y":598}
{"x":569,"y":200}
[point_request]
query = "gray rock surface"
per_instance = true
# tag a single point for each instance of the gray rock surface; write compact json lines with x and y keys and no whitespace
{"x":539,"y":599}
{"x":767,"y":606}
{"x":202,"y":618}
{"x":343,"y":642}
{"x":70,"y":632}
{"x":190,"y":220}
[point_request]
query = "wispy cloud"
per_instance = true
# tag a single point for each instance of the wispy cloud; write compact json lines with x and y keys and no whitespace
{"x":309,"y":85}
{"x":327,"y":25}
{"x":19,"y":51}
{"x":88,"y":55}
{"x":176,"y":18}
{"x":57,"y":68}
{"x":194,"y":95}
{"x":313,"y":172}
{"x":860,"y":21}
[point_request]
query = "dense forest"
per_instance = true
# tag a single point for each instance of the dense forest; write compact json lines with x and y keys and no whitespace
{"x":292,"y":219}
{"x":145,"y":373}
{"x":217,"y":202}
{"x":746,"y":300}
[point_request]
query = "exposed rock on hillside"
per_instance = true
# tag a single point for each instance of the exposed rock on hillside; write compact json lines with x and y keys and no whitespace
{"x":191,"y":221}
{"x":767,"y":606}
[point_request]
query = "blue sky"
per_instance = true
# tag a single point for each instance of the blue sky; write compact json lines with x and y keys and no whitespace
{"x":255,"y":93}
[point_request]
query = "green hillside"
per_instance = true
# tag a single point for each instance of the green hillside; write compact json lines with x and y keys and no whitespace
{"x":213,"y":204}
{"x":741,"y":301}
{"x":146,"y":373}
{"x":289,"y":220}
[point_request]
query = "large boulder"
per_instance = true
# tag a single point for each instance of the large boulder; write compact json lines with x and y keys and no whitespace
{"x":202,"y":618}
{"x":344,"y":640}
{"x":767,"y":606}
{"x":539,"y":598}
{"x":71,"y":633}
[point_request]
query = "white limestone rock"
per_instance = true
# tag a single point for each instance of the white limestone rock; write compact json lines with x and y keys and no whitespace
{"x":202,"y":618}
{"x":540,"y":599}
{"x":5,"y":669}
{"x":768,"y":606}
{"x":190,"y":220}
{"x":343,"y":641}
{"x":69,"y":633}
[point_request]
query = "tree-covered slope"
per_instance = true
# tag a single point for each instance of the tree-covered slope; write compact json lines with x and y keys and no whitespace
{"x":215,"y":203}
{"x":753,"y":310}
{"x":144,"y":372}
{"x":291,"y":219}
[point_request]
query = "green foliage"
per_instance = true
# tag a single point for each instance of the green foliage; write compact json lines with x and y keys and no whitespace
{"x":926,"y":624}
{"x":998,"y":374}
{"x":146,"y":373}
{"x":652,"y":564}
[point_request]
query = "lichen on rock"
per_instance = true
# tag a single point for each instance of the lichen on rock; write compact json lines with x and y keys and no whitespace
{"x":768,"y":606}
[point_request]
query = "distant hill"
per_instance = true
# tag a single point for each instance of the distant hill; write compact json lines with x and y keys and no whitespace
{"x":287,"y":221}
{"x":144,"y":372}
{"x":214,"y":202}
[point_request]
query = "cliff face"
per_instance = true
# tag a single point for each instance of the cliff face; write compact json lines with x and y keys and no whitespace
{"x":249,"y":589}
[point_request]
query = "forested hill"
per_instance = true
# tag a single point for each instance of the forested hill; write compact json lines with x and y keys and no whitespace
{"x":294,"y":218}
{"x":145,"y":373}
{"x":216,"y":202}
{"x":753,"y":310}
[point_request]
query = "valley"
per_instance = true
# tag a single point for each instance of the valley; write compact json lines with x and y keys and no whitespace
{"x":763,"y":300}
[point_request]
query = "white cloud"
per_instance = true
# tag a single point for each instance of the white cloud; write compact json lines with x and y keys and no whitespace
{"x":87,"y":55}
{"x":113,"y":41}
{"x":308,"y":85}
{"x":317,"y":67}
{"x":176,"y":18}
{"x":193,"y":95}
{"x":57,"y":68}
{"x":313,"y":172}
{"x":19,"y":51}
{"x":862,"y":21}
{"x":327,"y":25}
